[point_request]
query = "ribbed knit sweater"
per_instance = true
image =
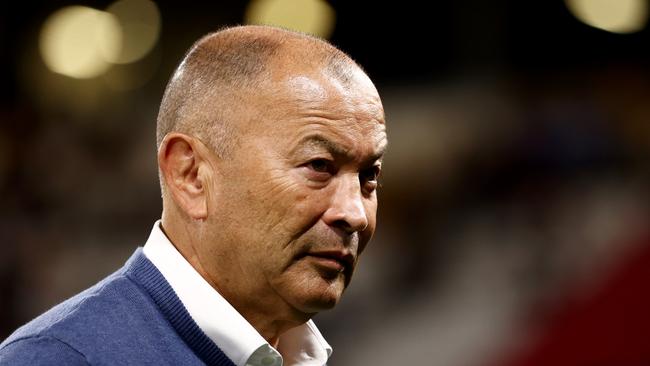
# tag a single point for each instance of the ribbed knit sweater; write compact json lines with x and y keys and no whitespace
{"x":132,"y":317}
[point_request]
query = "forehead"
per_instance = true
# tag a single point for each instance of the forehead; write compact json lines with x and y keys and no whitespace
{"x":322,"y":111}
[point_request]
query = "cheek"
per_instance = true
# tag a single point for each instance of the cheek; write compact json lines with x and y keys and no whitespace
{"x":298,"y":209}
{"x":289,"y":192}
{"x":371,"y":213}
{"x":370,"y":207}
{"x":280,"y":206}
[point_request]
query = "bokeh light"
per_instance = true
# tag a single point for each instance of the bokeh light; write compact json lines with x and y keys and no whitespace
{"x":617,"y":16}
{"x":315,"y":17}
{"x":140,"y":24}
{"x":75,"y":41}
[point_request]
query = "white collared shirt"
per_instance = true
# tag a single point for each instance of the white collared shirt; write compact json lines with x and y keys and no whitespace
{"x":301,"y":346}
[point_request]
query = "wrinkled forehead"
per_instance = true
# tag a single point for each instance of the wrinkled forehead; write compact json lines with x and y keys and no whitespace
{"x":346,"y":110}
{"x":356,"y":94}
{"x":301,"y":98}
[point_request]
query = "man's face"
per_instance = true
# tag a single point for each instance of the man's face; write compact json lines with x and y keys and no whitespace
{"x":295,"y":204}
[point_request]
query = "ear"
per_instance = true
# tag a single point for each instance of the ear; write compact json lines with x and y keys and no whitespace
{"x":184,"y":169}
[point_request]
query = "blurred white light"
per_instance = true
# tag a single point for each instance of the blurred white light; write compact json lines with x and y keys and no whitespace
{"x":140,"y":23}
{"x":617,"y":16}
{"x":75,"y":40}
{"x":315,"y":17}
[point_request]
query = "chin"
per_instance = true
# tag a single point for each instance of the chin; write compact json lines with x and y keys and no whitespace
{"x":310,"y":290}
{"x":321,"y":303}
{"x":313,"y":306}
{"x":323,"y":296}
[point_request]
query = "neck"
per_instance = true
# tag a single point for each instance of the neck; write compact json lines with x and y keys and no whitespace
{"x":268,"y":325}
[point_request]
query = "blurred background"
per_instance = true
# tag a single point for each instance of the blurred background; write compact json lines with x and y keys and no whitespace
{"x":513,"y":221}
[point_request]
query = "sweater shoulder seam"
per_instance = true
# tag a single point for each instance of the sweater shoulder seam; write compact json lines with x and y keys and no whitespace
{"x":88,"y":296}
{"x":50,"y":337}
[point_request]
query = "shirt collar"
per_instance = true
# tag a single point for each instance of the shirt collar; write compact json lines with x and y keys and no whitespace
{"x":302,"y":345}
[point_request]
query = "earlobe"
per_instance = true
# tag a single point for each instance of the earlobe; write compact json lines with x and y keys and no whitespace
{"x":182,"y":167}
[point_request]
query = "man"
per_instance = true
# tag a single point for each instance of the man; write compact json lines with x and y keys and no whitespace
{"x":269,"y":148}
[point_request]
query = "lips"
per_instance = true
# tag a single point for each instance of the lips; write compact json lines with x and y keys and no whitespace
{"x":344,"y":258}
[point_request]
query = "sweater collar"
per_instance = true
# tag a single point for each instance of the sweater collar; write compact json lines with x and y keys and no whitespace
{"x":142,"y":271}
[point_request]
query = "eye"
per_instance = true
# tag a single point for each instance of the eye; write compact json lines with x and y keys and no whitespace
{"x":368,"y":178}
{"x":319,"y":165}
{"x":319,"y":170}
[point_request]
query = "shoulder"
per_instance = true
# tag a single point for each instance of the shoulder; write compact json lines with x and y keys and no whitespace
{"x":87,"y":307}
{"x":105,"y":308}
{"x":117,"y":321}
{"x":40,"y":350}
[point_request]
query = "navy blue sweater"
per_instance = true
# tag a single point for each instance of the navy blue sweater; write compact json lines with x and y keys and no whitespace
{"x":132,"y":317}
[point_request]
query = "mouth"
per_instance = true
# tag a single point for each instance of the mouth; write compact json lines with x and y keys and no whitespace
{"x":337,"y":261}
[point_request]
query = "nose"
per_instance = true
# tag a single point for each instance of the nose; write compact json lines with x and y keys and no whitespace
{"x":346,"y":209}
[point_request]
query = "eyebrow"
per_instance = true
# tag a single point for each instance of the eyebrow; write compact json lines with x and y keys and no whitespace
{"x":319,"y":141}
